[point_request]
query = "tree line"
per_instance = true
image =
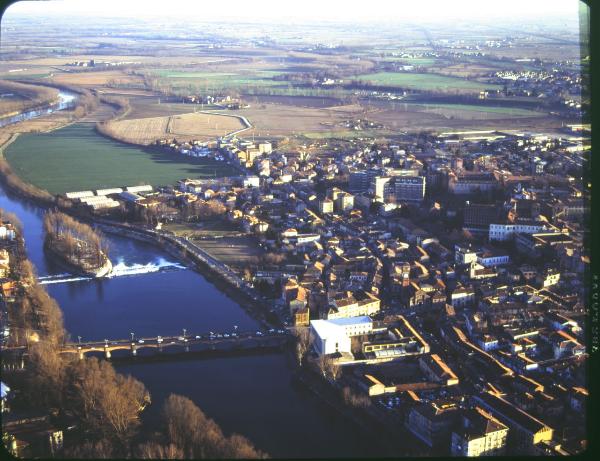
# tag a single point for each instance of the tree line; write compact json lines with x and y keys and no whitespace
{"x":203,"y":209}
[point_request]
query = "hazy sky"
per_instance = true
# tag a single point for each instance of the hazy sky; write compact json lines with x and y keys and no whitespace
{"x":331,"y":10}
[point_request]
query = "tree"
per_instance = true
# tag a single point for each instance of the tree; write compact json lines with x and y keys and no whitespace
{"x":328,"y":368}
{"x":122,"y":403}
{"x":109,"y":403}
{"x":355,"y":400}
{"x":154,"y":450}
{"x":304,"y":340}
{"x":46,"y":375}
{"x":101,"y":449}
{"x":197,"y":436}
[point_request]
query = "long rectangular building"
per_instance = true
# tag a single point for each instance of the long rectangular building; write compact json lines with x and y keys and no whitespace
{"x":525,"y":431}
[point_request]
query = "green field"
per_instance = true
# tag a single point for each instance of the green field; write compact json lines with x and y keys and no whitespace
{"x":511,"y":111}
{"x":78,"y":158}
{"x":218,"y":79}
{"x":423,"y":81}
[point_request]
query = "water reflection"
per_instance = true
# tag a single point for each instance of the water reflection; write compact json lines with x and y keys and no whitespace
{"x":65,"y":100}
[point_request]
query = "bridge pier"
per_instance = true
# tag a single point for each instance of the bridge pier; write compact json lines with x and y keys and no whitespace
{"x":133,"y":349}
{"x":80,"y":352}
{"x":107,"y":352}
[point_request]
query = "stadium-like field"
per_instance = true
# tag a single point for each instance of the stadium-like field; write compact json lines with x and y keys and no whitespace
{"x":77,"y":157}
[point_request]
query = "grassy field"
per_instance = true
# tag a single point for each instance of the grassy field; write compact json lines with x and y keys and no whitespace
{"x":77,"y":158}
{"x":423,"y":81}
{"x":217,"y":80}
{"x":476,"y":110}
{"x":183,"y":127}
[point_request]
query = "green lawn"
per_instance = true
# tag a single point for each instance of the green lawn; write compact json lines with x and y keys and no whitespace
{"x":424,"y":81}
{"x":78,"y":158}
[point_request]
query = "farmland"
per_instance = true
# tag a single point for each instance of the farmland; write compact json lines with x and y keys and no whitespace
{"x":76,"y":157}
{"x":287,"y":119}
{"x":197,"y":126}
{"x":217,"y":80}
{"x":424,"y":81}
{"x":97,"y":78}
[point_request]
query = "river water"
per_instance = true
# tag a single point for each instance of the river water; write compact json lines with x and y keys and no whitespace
{"x":153,"y":294}
{"x":65,"y":100}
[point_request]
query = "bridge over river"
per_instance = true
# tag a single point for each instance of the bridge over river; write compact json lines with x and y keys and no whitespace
{"x":166,"y":347}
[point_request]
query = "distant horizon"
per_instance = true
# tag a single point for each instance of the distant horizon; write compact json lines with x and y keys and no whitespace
{"x":349,"y":11}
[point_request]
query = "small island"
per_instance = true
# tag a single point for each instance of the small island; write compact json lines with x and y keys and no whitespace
{"x":76,"y":245}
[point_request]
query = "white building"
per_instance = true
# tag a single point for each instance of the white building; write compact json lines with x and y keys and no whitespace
{"x":114,"y":190}
{"x":504,"y":232}
{"x":489,"y":259}
{"x":79,"y":194}
{"x":251,"y":181}
{"x":7,"y":233}
{"x":464,"y":255}
{"x":136,"y":189}
{"x":333,"y":336}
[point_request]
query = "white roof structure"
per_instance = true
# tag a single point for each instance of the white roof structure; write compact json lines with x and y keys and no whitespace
{"x":114,"y":190}
{"x":325,"y":328}
{"x":144,"y":188}
{"x":79,"y":194}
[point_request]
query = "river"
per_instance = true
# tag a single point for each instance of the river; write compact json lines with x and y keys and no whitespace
{"x":65,"y":100}
{"x":154,"y":295}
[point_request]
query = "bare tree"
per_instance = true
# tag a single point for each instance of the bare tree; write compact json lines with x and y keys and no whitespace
{"x":46,"y":375}
{"x":101,"y":449}
{"x":329,"y":368}
{"x":153,"y":450}
{"x":198,"y":436}
{"x":109,"y":403}
{"x":304,"y":340}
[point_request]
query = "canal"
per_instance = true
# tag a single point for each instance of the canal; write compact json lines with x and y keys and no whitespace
{"x":153,"y":294}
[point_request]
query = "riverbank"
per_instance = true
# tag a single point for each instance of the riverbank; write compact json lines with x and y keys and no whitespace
{"x":214,"y":273}
{"x":21,"y":188}
{"x":223,"y":278}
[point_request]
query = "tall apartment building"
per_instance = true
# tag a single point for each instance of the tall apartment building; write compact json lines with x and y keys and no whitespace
{"x":407,"y":188}
{"x":400,"y":188}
